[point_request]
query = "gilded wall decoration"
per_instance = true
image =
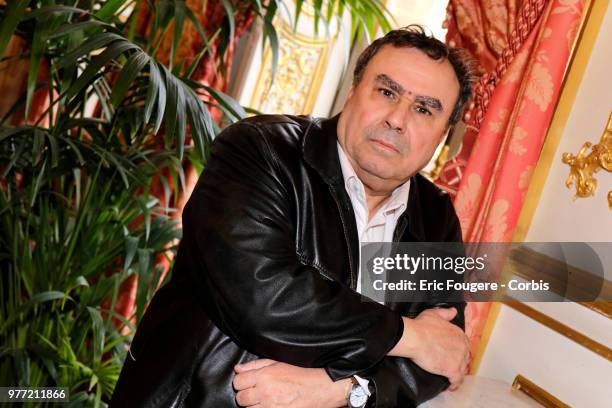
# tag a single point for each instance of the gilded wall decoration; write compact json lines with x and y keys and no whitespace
{"x":585,"y":164}
{"x":301,"y":66}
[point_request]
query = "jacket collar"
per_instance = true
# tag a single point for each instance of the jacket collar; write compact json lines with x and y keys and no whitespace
{"x":321,"y":153}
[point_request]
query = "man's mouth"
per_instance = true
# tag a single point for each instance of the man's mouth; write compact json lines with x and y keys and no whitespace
{"x":386,"y":145}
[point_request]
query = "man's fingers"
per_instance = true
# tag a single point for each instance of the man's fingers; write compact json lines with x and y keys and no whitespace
{"x":247,"y":398}
{"x":253,"y":365}
{"x":455,"y":382}
{"x":245,"y":380}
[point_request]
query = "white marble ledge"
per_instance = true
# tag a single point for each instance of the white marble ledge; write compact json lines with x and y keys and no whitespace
{"x":482,"y":392}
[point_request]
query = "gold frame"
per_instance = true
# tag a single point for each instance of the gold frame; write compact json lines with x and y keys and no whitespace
{"x":566,"y":331}
{"x":537,"y":393}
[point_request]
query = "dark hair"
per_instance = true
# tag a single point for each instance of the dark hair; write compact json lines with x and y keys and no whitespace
{"x":415,"y":36}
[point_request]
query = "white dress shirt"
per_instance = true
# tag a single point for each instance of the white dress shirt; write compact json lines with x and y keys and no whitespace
{"x":379,"y":227}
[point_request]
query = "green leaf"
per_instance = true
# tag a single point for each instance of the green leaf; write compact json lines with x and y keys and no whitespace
{"x":76,"y":150}
{"x":76,"y":172}
{"x":109,"y":9}
{"x":152,"y":90}
{"x":38,"y":145}
{"x":228,"y":102}
{"x":144,"y":262}
{"x":270,"y":33}
{"x":178,"y":168}
{"x":179,"y":20}
{"x":201,"y":124}
{"x":93,"y":68}
{"x":47,"y":10}
{"x":37,"y":183}
{"x":36,"y":56}
{"x":160,"y":74}
{"x":181,"y":122}
{"x":135,"y":63}
{"x":53,"y":147}
{"x":317,"y":5}
{"x":164,"y":181}
{"x":298,"y":12}
{"x":92,"y":382}
{"x":11,"y":131}
{"x":131,"y":245}
{"x":98,"y":333}
{"x":172,"y":108}
{"x":37,"y":299}
{"x":94,"y":43}
{"x":194,"y":64}
{"x":22,"y":367}
{"x":74,"y":27}
{"x":207,"y":46}
{"x":20,"y":147}
{"x":229,"y":11}
{"x":12,"y":16}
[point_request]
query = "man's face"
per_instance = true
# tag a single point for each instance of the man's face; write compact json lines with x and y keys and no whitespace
{"x":396,"y":116}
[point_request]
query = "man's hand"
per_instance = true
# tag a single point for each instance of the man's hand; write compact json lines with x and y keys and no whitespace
{"x":435,"y":344}
{"x":269,"y":384}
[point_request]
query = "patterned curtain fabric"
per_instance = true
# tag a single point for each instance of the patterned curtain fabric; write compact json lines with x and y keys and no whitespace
{"x":512,"y":108}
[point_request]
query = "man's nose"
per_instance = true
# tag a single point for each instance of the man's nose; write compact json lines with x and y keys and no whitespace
{"x":397,"y":117}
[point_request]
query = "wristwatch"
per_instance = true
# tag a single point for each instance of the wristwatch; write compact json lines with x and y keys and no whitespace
{"x":357,"y":396}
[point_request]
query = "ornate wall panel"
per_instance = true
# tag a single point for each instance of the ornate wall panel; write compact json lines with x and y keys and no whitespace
{"x":302,"y":63}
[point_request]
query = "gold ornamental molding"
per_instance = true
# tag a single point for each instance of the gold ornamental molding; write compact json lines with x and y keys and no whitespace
{"x":537,"y":393}
{"x":566,"y":331}
{"x":301,"y":67}
{"x":585,"y":164}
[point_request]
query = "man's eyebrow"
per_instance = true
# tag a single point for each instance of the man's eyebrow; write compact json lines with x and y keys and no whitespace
{"x":429,"y":101}
{"x":391,"y":84}
{"x":433,"y":103}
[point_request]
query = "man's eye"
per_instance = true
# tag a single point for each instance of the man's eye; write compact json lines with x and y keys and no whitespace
{"x":387,"y":93}
{"x":423,"y":110}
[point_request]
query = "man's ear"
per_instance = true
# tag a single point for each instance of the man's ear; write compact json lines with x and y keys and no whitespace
{"x":350,"y":91}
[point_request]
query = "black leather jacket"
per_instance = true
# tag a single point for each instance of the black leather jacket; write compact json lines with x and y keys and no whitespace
{"x":267,"y":268}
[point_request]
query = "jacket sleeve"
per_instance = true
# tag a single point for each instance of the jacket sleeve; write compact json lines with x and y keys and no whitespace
{"x":398,"y":382}
{"x":240,"y":254}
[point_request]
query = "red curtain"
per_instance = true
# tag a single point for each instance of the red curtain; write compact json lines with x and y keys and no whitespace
{"x":512,"y":108}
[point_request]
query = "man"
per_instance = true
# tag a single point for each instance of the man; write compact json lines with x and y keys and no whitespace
{"x":262,"y":309}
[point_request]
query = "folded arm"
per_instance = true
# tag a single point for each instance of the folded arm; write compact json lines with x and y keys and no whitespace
{"x":439,"y":357}
{"x":437,"y":351}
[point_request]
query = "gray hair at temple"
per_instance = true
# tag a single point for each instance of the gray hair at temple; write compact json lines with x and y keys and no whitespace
{"x":415,"y":36}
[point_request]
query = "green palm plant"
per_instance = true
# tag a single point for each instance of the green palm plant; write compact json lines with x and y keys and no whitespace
{"x":77,"y":218}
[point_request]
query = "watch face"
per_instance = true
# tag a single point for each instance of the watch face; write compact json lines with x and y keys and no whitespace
{"x":358,"y":397}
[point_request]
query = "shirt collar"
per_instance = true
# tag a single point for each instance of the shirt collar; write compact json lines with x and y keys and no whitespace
{"x":352,"y":183}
